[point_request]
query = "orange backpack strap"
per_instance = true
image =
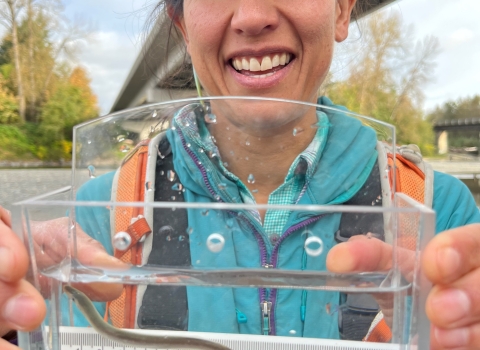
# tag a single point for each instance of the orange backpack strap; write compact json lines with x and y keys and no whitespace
{"x":129,"y":186}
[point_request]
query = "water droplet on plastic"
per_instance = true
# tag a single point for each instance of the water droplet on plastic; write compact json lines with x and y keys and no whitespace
{"x":232,"y":153}
{"x":292,"y":332}
{"x":154,"y":114}
{"x":217,"y":197}
{"x":189,"y":231}
{"x":210,"y":118}
{"x":89,"y":142}
{"x":171,"y":176}
{"x":124,"y":148}
{"x":230,"y":223}
{"x":222,"y":185}
{"x":189,"y":145}
{"x":91,"y":171}
{"x":251,"y":179}
{"x":314,"y":246}
{"x":205,"y":212}
{"x":149,"y":186}
{"x":297,"y":131}
{"x":225,"y":164}
{"x":162,"y":173}
{"x":169,"y":238}
{"x":177,"y":187}
{"x":255,"y":191}
{"x":200,"y":150}
{"x":152,"y":129}
{"x":120,"y":138}
{"x":213,"y":139}
{"x":215,"y":242}
{"x":173,"y":198}
{"x":247,"y":143}
{"x":211,"y":154}
{"x":181,"y":238}
{"x":173,"y":128}
{"x":122,"y":241}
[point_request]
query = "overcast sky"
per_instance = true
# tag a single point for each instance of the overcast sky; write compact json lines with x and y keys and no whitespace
{"x":119,"y":25}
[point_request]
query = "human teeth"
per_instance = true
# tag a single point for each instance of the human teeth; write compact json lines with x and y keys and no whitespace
{"x":266,"y":63}
{"x":254,"y":65}
{"x":275,"y":61}
{"x":261,"y":64}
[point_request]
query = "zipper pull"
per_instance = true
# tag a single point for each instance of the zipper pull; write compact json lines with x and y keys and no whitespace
{"x":265,"y":308}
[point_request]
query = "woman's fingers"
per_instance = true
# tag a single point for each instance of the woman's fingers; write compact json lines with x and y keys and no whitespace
{"x":452,"y":254}
{"x":5,"y":216}
{"x":21,"y":306}
{"x":5,"y":345}
{"x":360,"y":253}
{"x":13,"y":255}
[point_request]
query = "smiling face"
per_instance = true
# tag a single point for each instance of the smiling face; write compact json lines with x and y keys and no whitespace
{"x":267,"y":48}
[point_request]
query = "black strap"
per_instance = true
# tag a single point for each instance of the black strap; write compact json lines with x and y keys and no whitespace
{"x":165,"y":307}
{"x":360,"y":309}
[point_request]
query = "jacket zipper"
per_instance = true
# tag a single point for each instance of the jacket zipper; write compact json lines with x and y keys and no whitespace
{"x":267,"y":307}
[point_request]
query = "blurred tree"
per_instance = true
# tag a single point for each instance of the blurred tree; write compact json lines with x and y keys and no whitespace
{"x":463,"y":108}
{"x":73,"y":102}
{"x":386,"y":77}
{"x":8,"y":105}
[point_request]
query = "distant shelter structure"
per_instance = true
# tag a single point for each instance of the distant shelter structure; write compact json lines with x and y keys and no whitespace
{"x":157,"y":76}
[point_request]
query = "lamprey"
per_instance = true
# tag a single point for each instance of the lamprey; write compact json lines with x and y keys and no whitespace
{"x":135,"y":338}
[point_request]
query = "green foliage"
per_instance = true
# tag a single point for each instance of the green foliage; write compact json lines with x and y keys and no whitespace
{"x":8,"y":106}
{"x":15,"y":144}
{"x":385,"y":79}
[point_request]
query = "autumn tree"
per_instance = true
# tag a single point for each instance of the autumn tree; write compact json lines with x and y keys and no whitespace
{"x":386,"y":75}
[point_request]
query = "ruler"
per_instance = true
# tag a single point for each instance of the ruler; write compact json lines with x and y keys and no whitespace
{"x":79,"y":338}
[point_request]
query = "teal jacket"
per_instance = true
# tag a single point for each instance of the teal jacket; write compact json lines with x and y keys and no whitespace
{"x":347,"y":156}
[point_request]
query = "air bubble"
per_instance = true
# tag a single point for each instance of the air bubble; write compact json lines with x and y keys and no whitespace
{"x":169,"y":238}
{"x":91,"y":171}
{"x":217,"y":197}
{"x":251,"y":179}
{"x":200,"y":150}
{"x":225,"y":164}
{"x":89,"y":142}
{"x":181,"y":238}
{"x":152,"y":129}
{"x":297,"y":131}
{"x":189,"y":145}
{"x":149,"y":186}
{"x":189,"y":231}
{"x":162,"y":172}
{"x":314,"y":246}
{"x":120,"y":138}
{"x":122,"y":241}
{"x":171,"y":176}
{"x":177,"y":187}
{"x":247,"y":143}
{"x":210,"y":118}
{"x":292,"y":332}
{"x":154,"y":114}
{"x":215,"y":242}
{"x":173,"y":198}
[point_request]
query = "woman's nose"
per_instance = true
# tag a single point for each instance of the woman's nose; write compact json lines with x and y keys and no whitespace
{"x":254,"y":17}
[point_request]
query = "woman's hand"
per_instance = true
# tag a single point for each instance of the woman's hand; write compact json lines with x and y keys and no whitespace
{"x":451,"y":261}
{"x":21,"y":305}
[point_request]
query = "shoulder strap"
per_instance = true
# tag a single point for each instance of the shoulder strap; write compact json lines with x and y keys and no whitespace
{"x":165,"y":307}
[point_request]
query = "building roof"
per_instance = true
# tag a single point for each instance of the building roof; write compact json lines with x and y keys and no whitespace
{"x":154,"y":70}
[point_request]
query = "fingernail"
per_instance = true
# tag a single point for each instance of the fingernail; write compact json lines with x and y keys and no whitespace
{"x":452,"y":338}
{"x":449,"y":260}
{"x":19,"y":310}
{"x":6,"y":258}
{"x":451,"y":305}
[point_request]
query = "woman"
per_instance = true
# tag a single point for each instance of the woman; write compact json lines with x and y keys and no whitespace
{"x":219,"y":36}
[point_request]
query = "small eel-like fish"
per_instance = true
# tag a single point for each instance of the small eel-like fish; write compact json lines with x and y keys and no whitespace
{"x":135,"y":338}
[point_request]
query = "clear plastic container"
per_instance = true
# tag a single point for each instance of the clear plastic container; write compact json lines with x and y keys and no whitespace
{"x":202,"y":262}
